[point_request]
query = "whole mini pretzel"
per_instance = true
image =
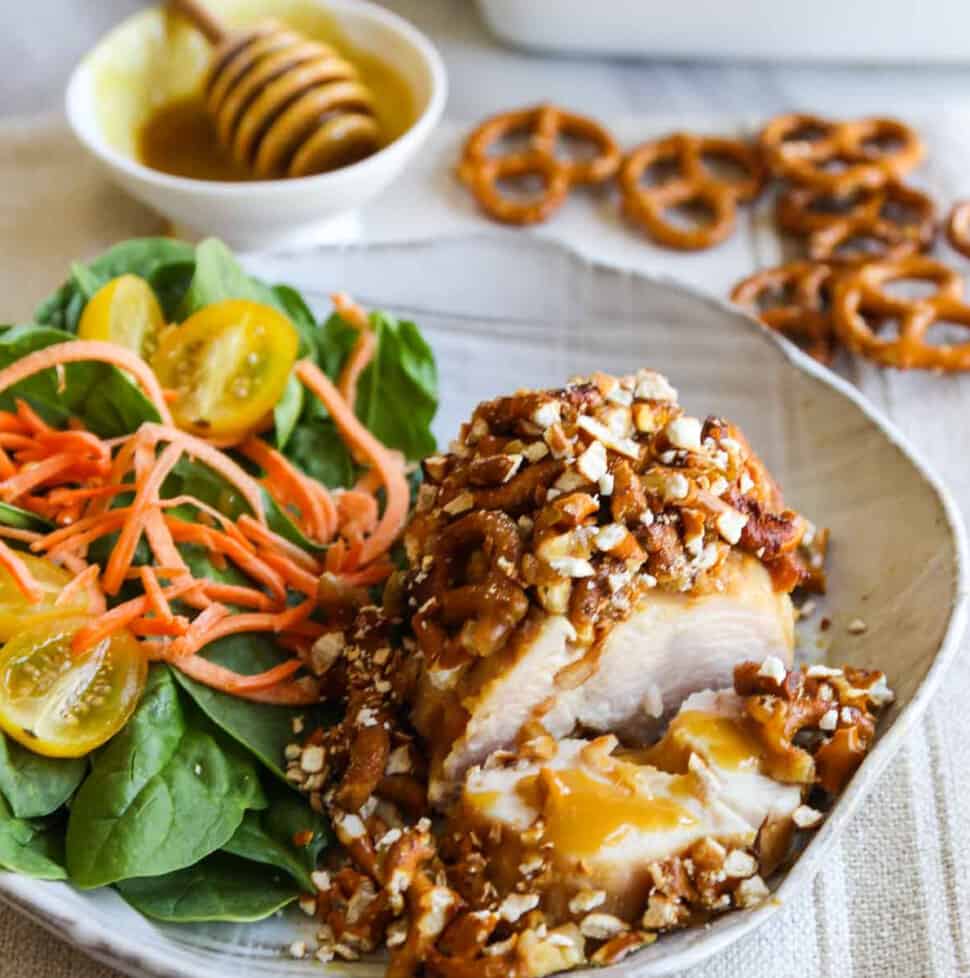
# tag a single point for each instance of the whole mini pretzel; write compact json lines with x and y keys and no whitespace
{"x":958,"y":227}
{"x":805,"y":318}
{"x":860,"y":294}
{"x":867,"y":216}
{"x":542,"y":124}
{"x":839,"y":157}
{"x":693,"y":182}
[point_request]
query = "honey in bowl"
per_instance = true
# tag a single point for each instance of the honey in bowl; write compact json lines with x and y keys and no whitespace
{"x":326,"y":111}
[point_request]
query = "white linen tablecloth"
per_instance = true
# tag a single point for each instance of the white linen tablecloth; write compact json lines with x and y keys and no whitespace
{"x":895,"y":898}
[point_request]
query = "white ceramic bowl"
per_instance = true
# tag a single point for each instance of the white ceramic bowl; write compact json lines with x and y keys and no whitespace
{"x":259,"y":214}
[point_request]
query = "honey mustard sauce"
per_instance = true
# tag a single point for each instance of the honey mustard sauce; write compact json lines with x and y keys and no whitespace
{"x":723,"y":741}
{"x":180,"y":137}
{"x":584,"y":815}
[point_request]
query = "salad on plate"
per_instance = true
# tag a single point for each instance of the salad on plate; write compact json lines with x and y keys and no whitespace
{"x":197,"y":479}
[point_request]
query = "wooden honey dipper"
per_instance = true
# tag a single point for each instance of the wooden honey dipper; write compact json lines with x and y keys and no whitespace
{"x":283,"y":106}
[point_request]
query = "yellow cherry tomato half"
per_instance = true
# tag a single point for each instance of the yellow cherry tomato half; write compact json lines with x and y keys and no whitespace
{"x":228,"y":365}
{"x":124,"y":311}
{"x":17,"y":613}
{"x":62,"y":705}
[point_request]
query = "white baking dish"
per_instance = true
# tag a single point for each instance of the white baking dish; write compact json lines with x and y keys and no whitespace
{"x":859,"y":30}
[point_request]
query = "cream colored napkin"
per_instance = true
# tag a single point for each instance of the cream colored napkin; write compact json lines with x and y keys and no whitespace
{"x":895,"y":898}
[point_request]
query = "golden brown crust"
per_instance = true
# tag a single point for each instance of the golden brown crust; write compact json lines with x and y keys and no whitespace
{"x":577,"y":502}
{"x":840,"y":705}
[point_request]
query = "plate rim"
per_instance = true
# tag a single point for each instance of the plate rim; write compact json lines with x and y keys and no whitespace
{"x":38,"y":901}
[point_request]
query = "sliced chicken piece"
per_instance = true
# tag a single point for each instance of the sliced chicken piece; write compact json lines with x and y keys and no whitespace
{"x":588,"y":557}
{"x":675,"y":645}
{"x":671,"y":646}
{"x":588,"y":818}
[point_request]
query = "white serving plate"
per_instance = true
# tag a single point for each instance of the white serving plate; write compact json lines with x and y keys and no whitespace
{"x":509,"y":311}
{"x":858,"y":30}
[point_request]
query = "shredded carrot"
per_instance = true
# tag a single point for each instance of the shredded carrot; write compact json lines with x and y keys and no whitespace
{"x":120,"y":617}
{"x":10,"y":422}
{"x":296,"y":577}
{"x":380,"y":458}
{"x":360,"y":356}
{"x":200,"y":636}
{"x":16,"y":441}
{"x":26,"y":583}
{"x":195,"y":635}
{"x":77,"y":351}
{"x":290,"y":483}
{"x":115,"y":518}
{"x":264,"y":535}
{"x":7,"y":468}
{"x":214,"y":459}
{"x":147,"y":496}
{"x":358,"y":513}
{"x":374,"y":573}
{"x":349,"y":311}
{"x":23,"y":536}
{"x":29,"y":478}
{"x":173,"y":628}
{"x":263,"y":687}
{"x":370,"y":482}
{"x":72,"y":478}
{"x":244,"y":559}
{"x":62,"y":496}
{"x":245,"y":597}
{"x":153,"y":591}
{"x":80,"y":541}
{"x":30,"y":419}
{"x":86,"y":580}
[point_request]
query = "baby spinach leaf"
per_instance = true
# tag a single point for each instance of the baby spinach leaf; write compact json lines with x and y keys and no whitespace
{"x":289,"y":815}
{"x":398,"y":392}
{"x":271,"y":836}
{"x":252,"y":841}
{"x":219,"y":276}
{"x":97,"y":393}
{"x":317,"y":448}
{"x":30,"y":848}
{"x":286,"y":414}
{"x":397,"y":397}
{"x":164,"y":793}
{"x":222,"y":887}
{"x":263,"y":729}
{"x":22,"y":519}
{"x":197,"y":479}
{"x":34,"y":785}
{"x":293,"y":304}
{"x":151,"y":258}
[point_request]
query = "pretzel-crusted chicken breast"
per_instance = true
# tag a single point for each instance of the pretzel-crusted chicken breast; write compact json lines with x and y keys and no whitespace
{"x":575,"y":724}
{"x":588,"y":557}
